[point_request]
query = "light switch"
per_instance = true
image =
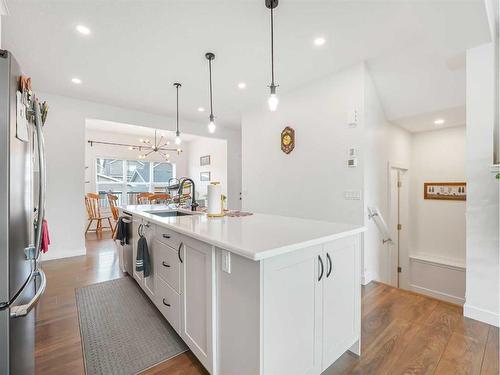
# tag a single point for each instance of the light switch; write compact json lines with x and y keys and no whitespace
{"x":226,"y":261}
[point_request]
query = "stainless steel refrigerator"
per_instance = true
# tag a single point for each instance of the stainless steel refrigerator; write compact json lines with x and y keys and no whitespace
{"x":22,"y":210}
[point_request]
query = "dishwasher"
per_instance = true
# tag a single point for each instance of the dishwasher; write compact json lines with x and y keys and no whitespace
{"x":126,"y":256}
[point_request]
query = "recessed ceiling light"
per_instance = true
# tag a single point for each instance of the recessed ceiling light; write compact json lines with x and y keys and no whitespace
{"x":84,"y":30}
{"x":319,"y":41}
{"x":76,"y":81}
{"x":201,"y":109}
{"x":439,"y":121}
{"x":242,"y":85}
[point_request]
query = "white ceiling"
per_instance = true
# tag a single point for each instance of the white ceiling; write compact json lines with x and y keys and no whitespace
{"x":137,"y":49}
{"x":134,"y":130}
{"x":424,"y":122}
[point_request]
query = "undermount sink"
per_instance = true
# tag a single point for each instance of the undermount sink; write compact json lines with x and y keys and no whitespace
{"x":172,"y":213}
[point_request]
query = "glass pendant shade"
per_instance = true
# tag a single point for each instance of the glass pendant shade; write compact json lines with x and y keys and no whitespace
{"x":273,"y":101}
{"x":211,"y":125}
{"x":178,"y":139}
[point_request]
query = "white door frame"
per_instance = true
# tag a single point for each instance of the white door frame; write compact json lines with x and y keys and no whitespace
{"x":393,"y":261}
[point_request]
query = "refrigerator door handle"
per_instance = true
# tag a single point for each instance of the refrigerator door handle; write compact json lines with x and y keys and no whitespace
{"x":41,"y":179}
{"x":23,"y":310}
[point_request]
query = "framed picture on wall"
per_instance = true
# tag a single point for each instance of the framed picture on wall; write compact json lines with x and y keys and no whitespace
{"x":205,"y":160}
{"x":204,"y":176}
{"x":451,"y":191}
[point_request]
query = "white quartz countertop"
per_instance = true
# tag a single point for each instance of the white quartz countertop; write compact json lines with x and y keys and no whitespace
{"x":257,"y":237}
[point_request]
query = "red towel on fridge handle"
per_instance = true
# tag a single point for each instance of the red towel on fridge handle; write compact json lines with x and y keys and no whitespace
{"x":45,"y":237}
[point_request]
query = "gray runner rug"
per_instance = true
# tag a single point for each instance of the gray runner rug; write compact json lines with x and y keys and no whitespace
{"x":122,"y":331}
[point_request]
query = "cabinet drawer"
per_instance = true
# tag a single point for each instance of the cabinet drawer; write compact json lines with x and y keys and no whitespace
{"x":168,"y":237}
{"x":169,"y":303}
{"x":168,"y":265}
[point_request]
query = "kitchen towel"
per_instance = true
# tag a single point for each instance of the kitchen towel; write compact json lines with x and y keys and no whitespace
{"x":121,"y":232}
{"x":44,"y":247}
{"x":142,"y":260}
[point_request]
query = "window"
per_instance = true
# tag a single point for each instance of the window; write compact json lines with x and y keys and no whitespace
{"x":162,"y":172}
{"x":127,"y":178}
{"x":138,"y":172}
{"x":109,"y":170}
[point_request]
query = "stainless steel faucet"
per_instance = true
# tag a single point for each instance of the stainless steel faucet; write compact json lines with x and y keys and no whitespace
{"x":194,"y":204}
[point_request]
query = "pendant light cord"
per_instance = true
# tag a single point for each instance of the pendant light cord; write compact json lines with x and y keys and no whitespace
{"x":210,"y":75}
{"x":177,"y":117}
{"x":272,"y":47}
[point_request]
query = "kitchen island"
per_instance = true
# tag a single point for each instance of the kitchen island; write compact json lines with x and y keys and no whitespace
{"x":258,"y":294}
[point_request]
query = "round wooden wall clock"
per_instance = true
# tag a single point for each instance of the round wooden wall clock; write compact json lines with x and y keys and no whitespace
{"x":287,"y":140}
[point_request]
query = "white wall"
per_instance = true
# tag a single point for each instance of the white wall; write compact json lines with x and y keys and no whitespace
{"x":311,"y":180}
{"x":384,"y":143}
{"x":482,"y":248}
{"x":217,"y":149}
{"x":180,"y":162}
{"x":438,"y":227}
{"x":3,"y":13}
{"x":493,"y":13}
{"x":437,"y":246}
{"x":65,"y":143}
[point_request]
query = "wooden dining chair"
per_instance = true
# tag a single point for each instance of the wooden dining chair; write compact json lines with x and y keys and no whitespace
{"x":112,"y":200}
{"x":158,"y":198}
{"x":94,"y":214}
{"x":143,"y":198}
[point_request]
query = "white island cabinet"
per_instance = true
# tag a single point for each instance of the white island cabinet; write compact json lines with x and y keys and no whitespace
{"x":255,"y":295}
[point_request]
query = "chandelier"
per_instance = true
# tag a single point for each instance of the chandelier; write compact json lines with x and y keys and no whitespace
{"x":147,"y":147}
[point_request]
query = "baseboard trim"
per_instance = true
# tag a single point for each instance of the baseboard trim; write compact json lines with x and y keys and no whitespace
{"x":437,"y":294}
{"x":54,"y":254}
{"x":482,"y":315}
{"x":366,"y":278}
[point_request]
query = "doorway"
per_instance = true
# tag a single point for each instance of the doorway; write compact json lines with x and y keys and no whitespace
{"x":399,"y":264}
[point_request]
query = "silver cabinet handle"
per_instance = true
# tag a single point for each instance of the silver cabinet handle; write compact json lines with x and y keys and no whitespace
{"x":23,"y":310}
{"x":322,"y":268}
{"x":330,"y":265}
{"x":140,"y":229}
{"x":126,"y":221}
{"x":164,"y":235}
{"x":179,"y":252}
{"x":41,"y":178}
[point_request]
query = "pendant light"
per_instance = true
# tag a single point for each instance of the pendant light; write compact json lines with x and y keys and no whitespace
{"x":211,"y":125}
{"x":273,"y":98}
{"x":178,"y":139}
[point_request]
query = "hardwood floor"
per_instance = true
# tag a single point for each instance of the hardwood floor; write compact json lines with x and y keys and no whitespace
{"x":402,"y":332}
